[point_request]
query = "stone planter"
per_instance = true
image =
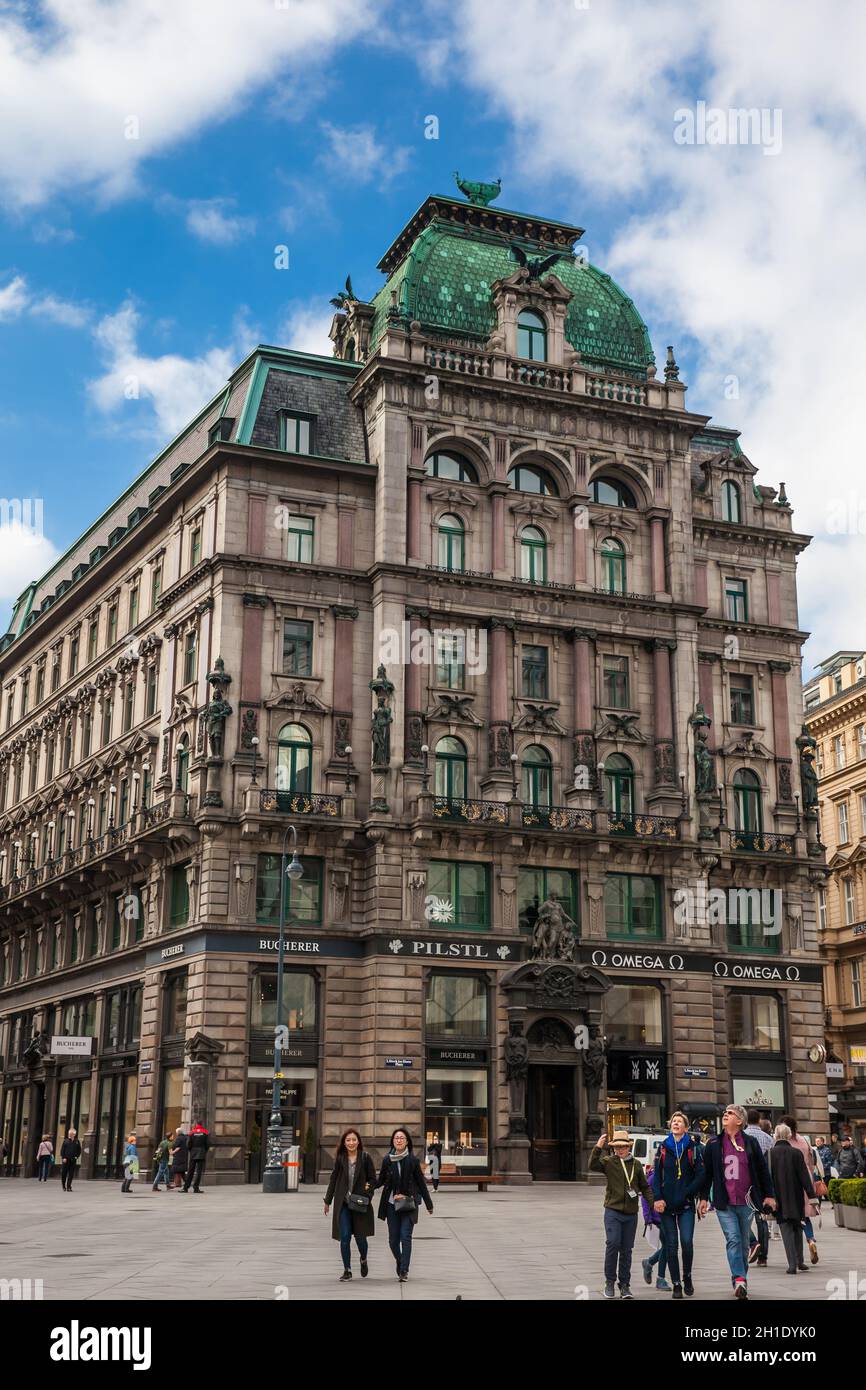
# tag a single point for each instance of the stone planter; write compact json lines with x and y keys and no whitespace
{"x":839,"y":1213}
{"x":855,"y":1218}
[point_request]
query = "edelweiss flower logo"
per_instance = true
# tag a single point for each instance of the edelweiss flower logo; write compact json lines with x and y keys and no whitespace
{"x":395,"y":945}
{"x":503,"y":951}
{"x":438,"y":909}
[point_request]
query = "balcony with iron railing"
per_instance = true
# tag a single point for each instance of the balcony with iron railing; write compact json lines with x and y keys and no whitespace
{"x":561,"y":819}
{"x":762,"y":842}
{"x":273,"y":800}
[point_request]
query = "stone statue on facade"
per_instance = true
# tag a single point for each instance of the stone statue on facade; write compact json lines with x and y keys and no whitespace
{"x":516,"y":1069}
{"x":218,"y":709}
{"x":554,"y":932}
{"x":383,"y":689}
{"x":594,"y":1068}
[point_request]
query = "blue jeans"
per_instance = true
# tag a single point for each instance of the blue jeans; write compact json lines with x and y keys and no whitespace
{"x":736,"y":1223}
{"x":45,"y":1167}
{"x":619,"y":1231}
{"x":162,"y":1174}
{"x":808,"y":1228}
{"x":400,"y":1238}
{"x":658,"y":1257}
{"x":684,"y":1223}
{"x":346,"y":1238}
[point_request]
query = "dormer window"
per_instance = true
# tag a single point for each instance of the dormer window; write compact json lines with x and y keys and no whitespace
{"x":731,"y":510}
{"x":296,"y":433}
{"x":531,"y":336}
{"x":609,"y":492}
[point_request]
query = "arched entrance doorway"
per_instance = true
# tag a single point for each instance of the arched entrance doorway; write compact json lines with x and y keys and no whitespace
{"x":552,"y":1101}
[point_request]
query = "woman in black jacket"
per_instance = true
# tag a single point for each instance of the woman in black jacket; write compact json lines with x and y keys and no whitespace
{"x":353,"y":1172}
{"x":70,"y":1153}
{"x":402,"y":1183}
{"x":179,"y":1157}
{"x":792,"y":1181}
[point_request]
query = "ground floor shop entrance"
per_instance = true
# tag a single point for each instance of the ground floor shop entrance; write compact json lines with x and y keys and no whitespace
{"x":117,"y":1097}
{"x":23,"y":1108}
{"x":551,"y":1123}
{"x":297,"y":1120}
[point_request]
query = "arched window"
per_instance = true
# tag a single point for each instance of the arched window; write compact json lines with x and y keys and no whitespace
{"x":730,"y":501}
{"x":536,"y":780}
{"x":181,"y":766}
{"x":619,"y":785}
{"x":611,"y":493}
{"x":528,"y":479}
{"x":533,"y":554}
{"x":294,"y":759}
{"x":747,"y":801}
{"x":452,"y":466}
{"x":531,"y":336}
{"x":350,"y":350}
{"x":613,"y":566}
{"x":451,"y":551}
{"x":450,"y":774}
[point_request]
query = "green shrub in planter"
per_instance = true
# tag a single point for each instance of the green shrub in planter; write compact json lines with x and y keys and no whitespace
{"x":852,"y":1192}
{"x":833,"y":1190}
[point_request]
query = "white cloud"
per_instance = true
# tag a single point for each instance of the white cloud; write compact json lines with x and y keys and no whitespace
{"x":305,"y":328}
{"x":176,"y":387}
{"x":212,"y":220}
{"x":13,"y":298}
{"x":24,"y":555}
{"x":90,"y":90}
{"x":356,"y":156}
{"x":756,"y":259}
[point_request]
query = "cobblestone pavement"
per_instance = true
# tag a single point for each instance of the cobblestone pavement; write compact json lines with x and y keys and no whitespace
{"x":541,"y":1242}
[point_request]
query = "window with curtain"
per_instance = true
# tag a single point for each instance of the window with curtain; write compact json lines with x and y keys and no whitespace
{"x":294,"y":759}
{"x":450,"y":543}
{"x":533,"y":555}
{"x":450,"y":769}
{"x":619,"y":785}
{"x":632,"y":906}
{"x":613,"y":577}
{"x":462,"y":891}
{"x":537,"y":776}
{"x":747,"y":801}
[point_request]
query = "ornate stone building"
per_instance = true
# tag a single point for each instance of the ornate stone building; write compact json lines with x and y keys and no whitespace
{"x":511,"y":637}
{"x":835,"y":704}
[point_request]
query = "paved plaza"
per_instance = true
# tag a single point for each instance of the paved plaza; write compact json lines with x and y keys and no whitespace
{"x":234,"y":1243}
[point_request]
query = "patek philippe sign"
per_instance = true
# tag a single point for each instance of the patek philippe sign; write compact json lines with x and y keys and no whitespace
{"x":71,"y":1047}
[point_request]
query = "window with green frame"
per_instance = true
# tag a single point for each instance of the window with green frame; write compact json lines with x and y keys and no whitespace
{"x":533,"y":662}
{"x":533,"y":555}
{"x":296,"y":433}
{"x":746,"y":928}
{"x":450,"y":659}
{"x":136,"y":907}
{"x":536,"y":778}
{"x":303,"y":895}
{"x":297,"y":648}
{"x":450,"y":768}
{"x":450,"y":543}
{"x":632,"y":907}
{"x":742,"y":700}
{"x":460,"y":895}
{"x":613,"y":566}
{"x":737,"y":600}
{"x":117,"y":922}
{"x":615,"y":682}
{"x":535,"y":886}
{"x":619,"y":785}
{"x":747,"y":801}
{"x":294,"y":759}
{"x":178,"y":900}
{"x":299,"y":546}
{"x":730,"y":501}
{"x":531,"y":336}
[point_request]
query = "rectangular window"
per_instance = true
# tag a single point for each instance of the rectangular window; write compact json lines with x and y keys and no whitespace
{"x":860,"y":732}
{"x":296,"y":433}
{"x":194,"y":547}
{"x":632,"y":907}
{"x":822,"y":909}
{"x":856,"y":994}
{"x":535,"y":887}
{"x":839,"y":750}
{"x":73,"y":654}
{"x":300,"y":539}
{"x":842,"y":812}
{"x":107,"y":711}
{"x":133,"y":606}
{"x":850,"y":908}
{"x":117,"y":923}
{"x":155,"y":583}
{"x":86,"y":734}
{"x":534,"y":672}
{"x":40,"y":683}
{"x":189,"y":657}
{"x":178,"y":907}
{"x":49,"y":760}
{"x":93,"y":639}
{"x":297,"y":648}
{"x":742,"y":700}
{"x":150,"y":692}
{"x":303,"y":895}
{"x":25,"y":695}
{"x":450,"y":659}
{"x":736,"y":600}
{"x":747,"y":927}
{"x":615,"y":682}
{"x":56,"y":668}
{"x":10,"y":707}
{"x":112,"y":625}
{"x":128,"y":706}
{"x":459,"y":894}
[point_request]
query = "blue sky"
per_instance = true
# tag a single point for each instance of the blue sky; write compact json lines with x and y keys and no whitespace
{"x":304,"y":124}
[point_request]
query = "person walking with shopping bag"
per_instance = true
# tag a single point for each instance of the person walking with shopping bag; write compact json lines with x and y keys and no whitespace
{"x":44,"y":1158}
{"x":792,"y":1182}
{"x":350,"y":1190}
{"x":130,"y":1163}
{"x":403,"y":1186}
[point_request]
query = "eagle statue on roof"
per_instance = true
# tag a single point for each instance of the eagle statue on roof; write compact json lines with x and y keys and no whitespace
{"x":346,"y":296}
{"x":481,"y":194}
{"x":535,"y":266}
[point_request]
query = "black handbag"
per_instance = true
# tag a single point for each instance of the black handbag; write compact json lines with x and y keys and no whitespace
{"x":356,"y":1201}
{"x":406,"y":1204}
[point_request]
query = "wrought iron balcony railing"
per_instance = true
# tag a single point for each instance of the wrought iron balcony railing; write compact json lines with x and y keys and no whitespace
{"x":455,"y":808}
{"x":300,"y":803}
{"x":559,"y":818}
{"x":759,"y":842}
{"x":644,"y":827}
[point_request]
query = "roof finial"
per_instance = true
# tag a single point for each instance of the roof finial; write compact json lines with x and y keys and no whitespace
{"x":478,"y":193}
{"x":672,"y":371}
{"x":782,"y":499}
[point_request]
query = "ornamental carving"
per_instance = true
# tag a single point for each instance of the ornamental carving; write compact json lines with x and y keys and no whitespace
{"x":499,"y":745}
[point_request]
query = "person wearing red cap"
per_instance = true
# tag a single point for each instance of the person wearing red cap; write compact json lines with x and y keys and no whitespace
{"x":199,"y":1143}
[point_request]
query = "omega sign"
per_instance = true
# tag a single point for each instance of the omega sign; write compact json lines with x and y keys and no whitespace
{"x":636,"y":960}
{"x":740,"y":971}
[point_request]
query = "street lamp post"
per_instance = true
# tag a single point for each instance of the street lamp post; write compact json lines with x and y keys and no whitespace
{"x":274,"y":1177}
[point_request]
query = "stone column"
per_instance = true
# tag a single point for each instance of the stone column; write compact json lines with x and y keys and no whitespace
{"x":779,"y":671}
{"x":583,"y":704}
{"x":416,"y":619}
{"x":706,"y":662}
{"x":664,"y":753}
{"x":499,"y":724}
{"x":497,"y":528}
{"x":344,"y":671}
{"x":202,"y":1053}
{"x":580,"y":535}
{"x":657,"y":547}
{"x":413,"y":517}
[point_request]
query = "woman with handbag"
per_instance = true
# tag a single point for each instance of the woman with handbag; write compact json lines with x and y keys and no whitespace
{"x":403,"y":1185}
{"x":351,"y":1186}
{"x":811,"y":1207}
{"x":130,"y":1163}
{"x":45,"y":1157}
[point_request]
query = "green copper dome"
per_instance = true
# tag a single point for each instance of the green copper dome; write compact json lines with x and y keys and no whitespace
{"x":442,"y":279}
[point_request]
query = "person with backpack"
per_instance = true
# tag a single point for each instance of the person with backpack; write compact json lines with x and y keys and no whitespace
{"x":848,"y":1163}
{"x":130,"y":1163}
{"x":44,"y":1158}
{"x":70,"y":1155}
{"x":625,"y":1182}
{"x":678,"y":1176}
{"x":161,"y":1161}
{"x":350,"y":1189}
{"x":199,"y":1143}
{"x":652,"y":1221}
{"x":738,"y":1180}
{"x":434,"y":1164}
{"x":179,"y":1154}
{"x":403,"y":1184}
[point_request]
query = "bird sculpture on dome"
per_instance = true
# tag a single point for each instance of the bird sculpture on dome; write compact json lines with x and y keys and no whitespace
{"x":346,"y":296}
{"x":481,"y":194}
{"x":535,"y":266}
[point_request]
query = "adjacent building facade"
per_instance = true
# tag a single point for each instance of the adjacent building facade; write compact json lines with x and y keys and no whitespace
{"x":835,"y":711}
{"x":510,"y":637}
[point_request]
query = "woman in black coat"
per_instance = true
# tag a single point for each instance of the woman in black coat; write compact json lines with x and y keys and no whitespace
{"x":179,"y":1156}
{"x":792,"y":1182}
{"x":70,"y":1153}
{"x":403,"y":1186}
{"x":353,"y":1172}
